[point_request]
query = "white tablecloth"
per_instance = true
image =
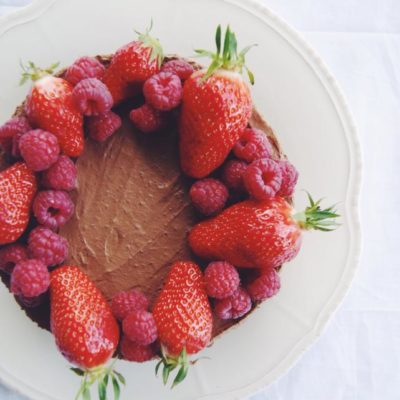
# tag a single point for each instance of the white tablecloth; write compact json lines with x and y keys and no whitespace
{"x":358,"y":356}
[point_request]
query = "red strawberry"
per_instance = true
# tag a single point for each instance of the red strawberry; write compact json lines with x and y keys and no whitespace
{"x":183,"y":318}
{"x":50,"y":106}
{"x":83,"y":325}
{"x":216,"y":108}
{"x":133,"y":64}
{"x":17,"y":190}
{"x":260,"y":234}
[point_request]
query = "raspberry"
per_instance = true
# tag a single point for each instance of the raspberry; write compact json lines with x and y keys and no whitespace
{"x":132,"y":351}
{"x":253,"y":145}
{"x":178,"y":67}
{"x":47,"y":246}
{"x":92,"y":97}
{"x":103,"y":126}
{"x":163,"y":91}
{"x":12,"y":255}
{"x":14,"y":126}
{"x":209,"y":196}
{"x":61,"y":175}
{"x":53,"y":208}
{"x":39,"y":149}
{"x":140,"y":327}
{"x":125,"y":302}
{"x":147,"y":119}
{"x":15,"y":152}
{"x":82,"y":68}
{"x":221,"y":279}
{"x":263,"y":178}
{"x":30,"y":278}
{"x":232,"y":174}
{"x":289,"y":179}
{"x":233,"y":307}
{"x":265,"y":286}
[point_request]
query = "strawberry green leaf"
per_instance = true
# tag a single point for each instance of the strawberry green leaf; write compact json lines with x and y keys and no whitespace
{"x":105,"y":380}
{"x":226,"y":42}
{"x":158,"y":366}
{"x":230,"y":59}
{"x":250,"y":75}
{"x":102,"y":390}
{"x":116,"y":388}
{"x":181,"y":375}
{"x":153,"y":43}
{"x":218,"y":39}
{"x":313,"y":217}
{"x":166,"y":371}
{"x":86,"y":393}
{"x":77,"y":371}
{"x":120,"y":377}
{"x":216,"y":64}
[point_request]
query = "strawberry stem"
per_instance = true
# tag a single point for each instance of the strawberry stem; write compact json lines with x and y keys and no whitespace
{"x":313,"y":217}
{"x":153,"y":43}
{"x":230,"y":59}
{"x":102,"y":375}
{"x":170,"y":363}
{"x":31,"y":72}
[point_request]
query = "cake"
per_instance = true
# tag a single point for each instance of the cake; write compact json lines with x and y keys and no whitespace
{"x":144,"y":185}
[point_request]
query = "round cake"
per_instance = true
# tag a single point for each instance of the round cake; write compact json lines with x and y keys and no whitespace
{"x":145,"y":205}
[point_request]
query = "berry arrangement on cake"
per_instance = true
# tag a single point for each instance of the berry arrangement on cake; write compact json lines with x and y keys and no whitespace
{"x":145,"y":206}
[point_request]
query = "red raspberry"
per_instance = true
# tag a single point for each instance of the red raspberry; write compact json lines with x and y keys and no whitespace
{"x":265,"y":286}
{"x":82,"y":68}
{"x":15,"y":152}
{"x":147,"y":119}
{"x":232,"y":174}
{"x":253,"y":145}
{"x":125,"y":302}
{"x":12,"y":255}
{"x":92,"y":97}
{"x":30,"y":278}
{"x":289,"y":179}
{"x":47,"y":246}
{"x":233,"y":307}
{"x":263,"y":178}
{"x":140,"y":327}
{"x":13,"y":127}
{"x":209,"y":196}
{"x":53,"y":208}
{"x":132,"y":351}
{"x":61,"y":175}
{"x":101,"y":127}
{"x":221,"y":279}
{"x":163,"y":91}
{"x":39,"y":149}
{"x":178,"y":67}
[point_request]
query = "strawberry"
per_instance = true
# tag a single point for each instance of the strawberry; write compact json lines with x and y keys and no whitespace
{"x":17,"y":190}
{"x":183,"y":317}
{"x":132,"y":64}
{"x":84,"y":327}
{"x":262,"y":234}
{"x":216,"y":108}
{"x":50,"y":106}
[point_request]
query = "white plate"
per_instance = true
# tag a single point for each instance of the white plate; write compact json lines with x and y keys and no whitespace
{"x":302,"y":102}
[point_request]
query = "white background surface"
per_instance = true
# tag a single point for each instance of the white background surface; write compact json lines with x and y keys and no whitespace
{"x":358,"y":356}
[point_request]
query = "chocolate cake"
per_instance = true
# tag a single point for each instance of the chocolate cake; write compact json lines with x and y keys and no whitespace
{"x":132,"y":209}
